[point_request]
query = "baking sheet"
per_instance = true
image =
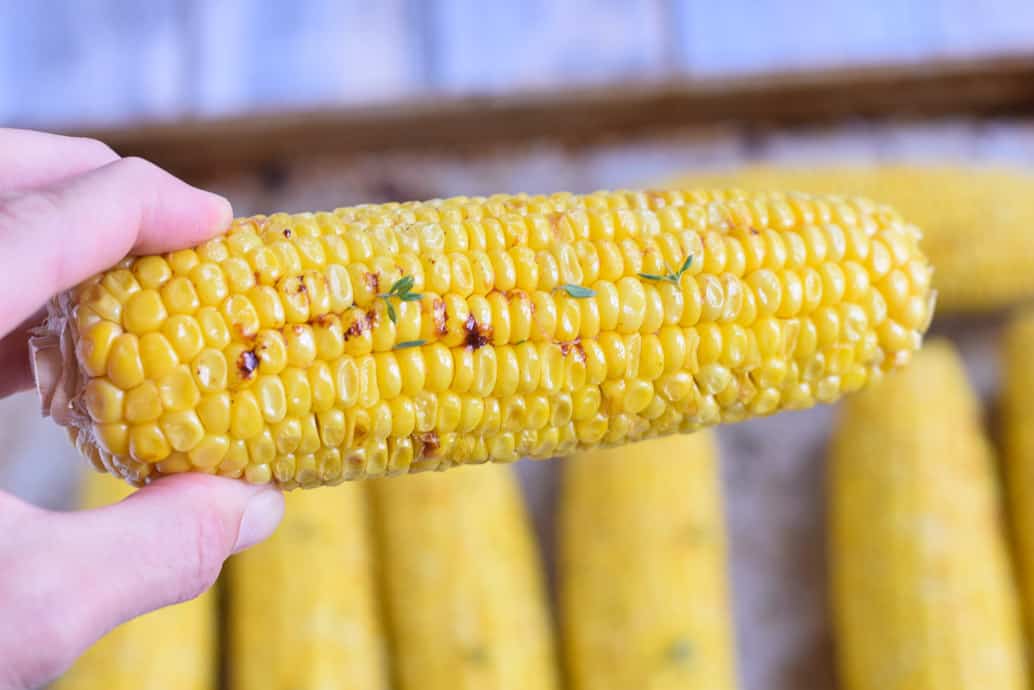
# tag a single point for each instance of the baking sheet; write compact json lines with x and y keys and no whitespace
{"x":773,"y":469}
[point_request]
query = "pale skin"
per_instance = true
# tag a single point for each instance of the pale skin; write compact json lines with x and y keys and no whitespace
{"x":71,"y":207}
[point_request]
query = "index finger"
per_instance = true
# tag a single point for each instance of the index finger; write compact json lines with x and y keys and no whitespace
{"x":56,"y":237}
{"x":32,"y":159}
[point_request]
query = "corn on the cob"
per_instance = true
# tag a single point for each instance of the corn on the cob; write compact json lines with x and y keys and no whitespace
{"x":922,"y":589}
{"x":376,"y":340}
{"x":1018,"y":449}
{"x":463,"y":583}
{"x":975,"y":221}
{"x":174,"y":647}
{"x":303,"y":610}
{"x":643,"y":571}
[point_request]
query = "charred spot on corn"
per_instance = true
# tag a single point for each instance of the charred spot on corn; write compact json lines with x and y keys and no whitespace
{"x":573,"y":346}
{"x":247,"y":364}
{"x":429,"y":442}
{"x":372,"y":281}
{"x":361,"y":324}
{"x":477,"y":335}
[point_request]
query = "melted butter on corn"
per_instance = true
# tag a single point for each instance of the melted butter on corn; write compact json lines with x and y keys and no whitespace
{"x":313,"y":348}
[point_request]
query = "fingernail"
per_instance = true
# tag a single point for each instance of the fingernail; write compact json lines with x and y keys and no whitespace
{"x":219,"y":209}
{"x":261,"y":516}
{"x":224,"y":216}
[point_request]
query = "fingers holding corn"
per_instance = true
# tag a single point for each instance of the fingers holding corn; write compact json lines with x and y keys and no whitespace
{"x":309,"y":349}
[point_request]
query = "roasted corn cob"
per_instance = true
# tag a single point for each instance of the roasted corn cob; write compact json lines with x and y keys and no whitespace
{"x":922,"y":589}
{"x":1018,"y":449}
{"x":643,"y":571}
{"x":376,"y":340}
{"x":320,"y":627}
{"x":171,"y":648}
{"x":463,"y":583}
{"x":975,"y":221}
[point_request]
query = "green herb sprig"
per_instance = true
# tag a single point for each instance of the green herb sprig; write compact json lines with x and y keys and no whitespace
{"x":406,"y":344}
{"x":403,"y":290}
{"x":671,"y":276}
{"x":576,"y":291}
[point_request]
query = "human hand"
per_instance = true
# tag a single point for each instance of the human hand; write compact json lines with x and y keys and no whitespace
{"x":68,"y":209}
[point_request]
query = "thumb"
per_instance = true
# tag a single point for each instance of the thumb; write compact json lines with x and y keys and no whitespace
{"x":167,"y":542}
{"x":77,"y":575}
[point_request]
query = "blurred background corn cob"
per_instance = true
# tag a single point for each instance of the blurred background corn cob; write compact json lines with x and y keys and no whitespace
{"x":976,"y":221}
{"x":923,"y":591}
{"x":174,"y":647}
{"x":303,"y":609}
{"x":463,"y":583}
{"x":643,"y":577}
{"x":1017,"y":434}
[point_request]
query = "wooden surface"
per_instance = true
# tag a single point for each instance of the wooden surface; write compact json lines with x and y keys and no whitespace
{"x":211,"y":148}
{"x":773,"y":469}
{"x":71,"y":62}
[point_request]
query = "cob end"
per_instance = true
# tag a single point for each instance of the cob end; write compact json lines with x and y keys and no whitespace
{"x":56,"y":373}
{"x":52,"y":358}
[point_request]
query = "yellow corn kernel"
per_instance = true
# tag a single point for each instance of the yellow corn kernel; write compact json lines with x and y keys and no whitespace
{"x":466,"y":607}
{"x":245,"y":415}
{"x":104,"y":401}
{"x":185,"y":336}
{"x":94,"y":348}
{"x":178,"y":390}
{"x":301,"y":345}
{"x":297,"y":390}
{"x":183,"y":430}
{"x":143,"y":403}
{"x":329,"y":337}
{"x":239,"y":276}
{"x":920,"y":573}
{"x":612,"y":317}
{"x":659,"y":525}
{"x":213,"y":327}
{"x":125,"y":367}
{"x":179,"y":296}
{"x":147,"y":443}
{"x":321,"y":385}
{"x":144,"y":312}
{"x":152,"y":272}
{"x":268,"y":307}
{"x":210,"y":371}
{"x":157,"y":355}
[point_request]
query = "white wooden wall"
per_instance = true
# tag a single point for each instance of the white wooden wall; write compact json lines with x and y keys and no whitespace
{"x":73,"y":62}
